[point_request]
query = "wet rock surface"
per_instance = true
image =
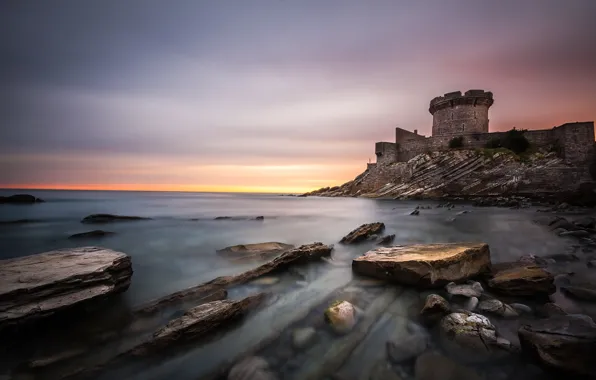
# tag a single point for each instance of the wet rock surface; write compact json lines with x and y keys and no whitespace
{"x":39,"y":286}
{"x":516,"y":279}
{"x":20,"y":199}
{"x":91,"y":234}
{"x":435,"y":308}
{"x":496,"y":307}
{"x":470,"y":331}
{"x":425,"y":265}
{"x":110,"y":218}
{"x":471,"y":289}
{"x":563,"y":343}
{"x":363,"y":233}
{"x":341,"y":316}
{"x":254,"y":251}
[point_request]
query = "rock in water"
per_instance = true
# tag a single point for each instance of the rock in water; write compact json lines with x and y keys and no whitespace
{"x":415,"y":212}
{"x":471,"y":304}
{"x":472,"y":289}
{"x":42,"y":285}
{"x":521,"y":280}
{"x":303,"y":337}
{"x":435,"y":308}
{"x":562,"y":343}
{"x":251,"y":368}
{"x":341,"y":315}
{"x":581,"y":289}
{"x":471,"y":331}
{"x":363,"y":232}
{"x":20,"y":199}
{"x":408,"y":347}
{"x":257,"y":250}
{"x":497,"y":307}
{"x":425,"y":265}
{"x":434,"y":366}
{"x":109,"y":218}
{"x":91,"y":234}
{"x":386,"y":239}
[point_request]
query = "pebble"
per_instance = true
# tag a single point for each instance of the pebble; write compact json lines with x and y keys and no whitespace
{"x":497,"y":307}
{"x":520,"y":307}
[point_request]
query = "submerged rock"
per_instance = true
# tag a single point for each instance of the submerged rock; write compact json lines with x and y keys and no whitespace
{"x":549,"y":309}
{"x":521,"y":280}
{"x":497,"y":307}
{"x":408,"y":347}
{"x":254,"y":251}
{"x":20,"y":199}
{"x":341,"y":316}
{"x":425,"y":265}
{"x":91,"y":234}
{"x":435,"y":308}
{"x":363,"y":232}
{"x":18,"y":221}
{"x":471,"y":304}
{"x":303,"y":337}
{"x":434,"y":366}
{"x":415,"y":212}
{"x":109,"y":218}
{"x":562,"y":343}
{"x":386,"y":239}
{"x":39,"y":286}
{"x":581,"y":289}
{"x":472,"y":289}
{"x":251,"y":368}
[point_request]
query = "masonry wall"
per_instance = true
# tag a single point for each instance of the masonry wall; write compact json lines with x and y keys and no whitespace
{"x":460,"y":119}
{"x":385,"y":152}
{"x":576,"y":140}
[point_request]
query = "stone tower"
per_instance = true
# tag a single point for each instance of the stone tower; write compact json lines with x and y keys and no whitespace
{"x":456,"y":114}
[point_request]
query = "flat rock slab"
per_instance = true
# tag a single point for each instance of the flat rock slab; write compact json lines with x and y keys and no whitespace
{"x":425,"y":265}
{"x":521,"y":280}
{"x":258,"y":250}
{"x":363,"y":233}
{"x":41,"y":285}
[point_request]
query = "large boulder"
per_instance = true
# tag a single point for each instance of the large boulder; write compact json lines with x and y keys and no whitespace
{"x":425,"y":265}
{"x":521,"y":280}
{"x":470,"y":331}
{"x":109,"y":218}
{"x":363,"y":233}
{"x":20,"y":199}
{"x":254,"y":251}
{"x":42,"y":285}
{"x":562,"y":343}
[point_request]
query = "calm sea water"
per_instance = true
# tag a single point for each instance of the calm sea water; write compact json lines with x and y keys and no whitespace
{"x":172,"y":252}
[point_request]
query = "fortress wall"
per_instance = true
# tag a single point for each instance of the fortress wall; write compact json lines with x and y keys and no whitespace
{"x":576,"y":140}
{"x":462,"y":118}
{"x":385,"y":152}
{"x":402,"y":136}
{"x":384,"y":174}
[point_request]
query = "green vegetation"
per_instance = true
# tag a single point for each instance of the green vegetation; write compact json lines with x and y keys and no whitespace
{"x":490,"y":152}
{"x":513,"y":140}
{"x":456,"y":142}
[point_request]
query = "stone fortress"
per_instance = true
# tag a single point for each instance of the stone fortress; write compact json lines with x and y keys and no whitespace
{"x":466,"y":115}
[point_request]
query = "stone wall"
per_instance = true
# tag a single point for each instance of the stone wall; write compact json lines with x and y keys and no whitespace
{"x":455,"y":113}
{"x":576,"y":140}
{"x":385,"y":152}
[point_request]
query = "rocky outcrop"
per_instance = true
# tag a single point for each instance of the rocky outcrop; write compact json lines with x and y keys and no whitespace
{"x":91,"y":234}
{"x":516,"y":279}
{"x":363,"y":233}
{"x":254,"y":251}
{"x":425,"y":265}
{"x":482,"y":173}
{"x":562,"y":343}
{"x":110,"y":218}
{"x":39,"y":286}
{"x":20,"y":199}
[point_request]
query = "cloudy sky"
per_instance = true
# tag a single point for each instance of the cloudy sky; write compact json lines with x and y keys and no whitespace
{"x":267,"y":95}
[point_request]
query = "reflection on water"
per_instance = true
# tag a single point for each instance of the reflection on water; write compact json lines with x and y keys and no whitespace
{"x":177,"y":249}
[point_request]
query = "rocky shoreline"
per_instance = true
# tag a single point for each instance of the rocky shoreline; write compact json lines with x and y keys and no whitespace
{"x":436,"y":305}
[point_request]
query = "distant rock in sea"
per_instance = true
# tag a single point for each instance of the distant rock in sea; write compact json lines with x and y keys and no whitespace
{"x":109,"y":218}
{"x":21,"y":199}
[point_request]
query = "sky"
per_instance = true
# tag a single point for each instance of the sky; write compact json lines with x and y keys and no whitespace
{"x":267,"y":95}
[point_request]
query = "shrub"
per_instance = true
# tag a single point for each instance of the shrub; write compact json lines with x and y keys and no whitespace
{"x":456,"y":142}
{"x":513,"y":140}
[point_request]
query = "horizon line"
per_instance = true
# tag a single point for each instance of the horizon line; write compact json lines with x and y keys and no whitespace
{"x":161,"y":189}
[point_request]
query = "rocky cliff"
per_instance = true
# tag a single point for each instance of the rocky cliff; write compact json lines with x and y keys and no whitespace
{"x":472,"y":173}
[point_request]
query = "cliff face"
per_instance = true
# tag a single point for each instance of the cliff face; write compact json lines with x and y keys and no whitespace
{"x":468,"y":173}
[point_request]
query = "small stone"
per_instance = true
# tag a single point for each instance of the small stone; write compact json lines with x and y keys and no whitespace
{"x":265,"y":281}
{"x":521,"y":308}
{"x":435,"y":308}
{"x":303,"y":337}
{"x":260,"y":218}
{"x":386,"y":239}
{"x":471,"y":304}
{"x":497,"y":307}
{"x":415,"y":212}
{"x":472,"y":289}
{"x":341,"y":316}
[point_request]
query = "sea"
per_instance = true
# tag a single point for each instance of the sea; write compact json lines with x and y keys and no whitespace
{"x":176,"y":248}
